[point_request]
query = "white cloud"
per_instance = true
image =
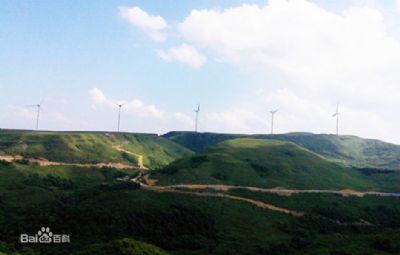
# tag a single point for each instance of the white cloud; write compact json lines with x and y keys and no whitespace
{"x":316,"y":49}
{"x":152,"y":26}
{"x":135,"y":106}
{"x":185,"y":54}
{"x":298,"y":38}
{"x":67,"y":120}
{"x":153,"y":119}
{"x":295,"y":114}
{"x":233,"y":120}
{"x":97,"y":97}
{"x":184,"y":119}
{"x":49,"y":118}
{"x":28,"y":113}
{"x":319,"y":56}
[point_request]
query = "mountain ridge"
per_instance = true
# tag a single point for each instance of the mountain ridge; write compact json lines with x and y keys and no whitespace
{"x":348,"y":150}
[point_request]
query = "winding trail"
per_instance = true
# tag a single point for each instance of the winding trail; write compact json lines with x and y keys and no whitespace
{"x":138,"y":156}
{"x":282,"y":191}
{"x":260,"y":204}
{"x":222,"y":195}
{"x":45,"y":162}
{"x":200,"y":190}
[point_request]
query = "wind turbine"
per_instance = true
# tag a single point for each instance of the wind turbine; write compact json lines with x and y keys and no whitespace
{"x":197,"y":118}
{"x":336,"y":114}
{"x":272,"y":120}
{"x":119,"y":114}
{"x":37,"y":113}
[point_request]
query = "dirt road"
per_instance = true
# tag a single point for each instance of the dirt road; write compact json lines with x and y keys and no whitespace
{"x":210,"y":194}
{"x":282,"y":191}
{"x":45,"y":162}
{"x":220,"y":189}
{"x":138,"y":156}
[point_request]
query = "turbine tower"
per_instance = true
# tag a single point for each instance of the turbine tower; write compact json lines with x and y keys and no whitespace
{"x":119,"y":115}
{"x":197,"y":111}
{"x":37,"y":113}
{"x":272,"y":120}
{"x":336,"y":114}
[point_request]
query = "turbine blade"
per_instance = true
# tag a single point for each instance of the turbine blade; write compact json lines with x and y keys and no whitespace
{"x":337,"y":109}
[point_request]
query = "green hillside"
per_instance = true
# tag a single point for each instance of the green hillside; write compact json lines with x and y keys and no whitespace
{"x":101,"y":217}
{"x":106,"y":216}
{"x":348,"y":150}
{"x":262,"y":163}
{"x":91,"y":147}
{"x":95,"y":210}
{"x":123,"y":247}
{"x":23,"y":184}
{"x":199,"y":141}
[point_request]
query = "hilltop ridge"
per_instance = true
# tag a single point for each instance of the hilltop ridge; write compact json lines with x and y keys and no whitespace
{"x":146,"y":150}
{"x":346,"y":150}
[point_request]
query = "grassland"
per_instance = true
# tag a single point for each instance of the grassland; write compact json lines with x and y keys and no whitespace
{"x":104,"y":216}
{"x":185,"y":224}
{"x":268,"y":163}
{"x":122,"y":247}
{"x":347,"y":150}
{"x":91,"y":147}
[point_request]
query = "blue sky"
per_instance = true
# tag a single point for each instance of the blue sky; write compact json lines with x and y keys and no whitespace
{"x":239,"y":59}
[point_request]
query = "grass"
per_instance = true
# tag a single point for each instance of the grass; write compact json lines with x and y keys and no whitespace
{"x":97,"y":210}
{"x":123,"y":247}
{"x":325,"y":204}
{"x":199,"y":141}
{"x":101,"y":214}
{"x":95,"y":147}
{"x":264,"y":163}
{"x":347,"y":150}
{"x":22,"y":185}
{"x":184,"y":224}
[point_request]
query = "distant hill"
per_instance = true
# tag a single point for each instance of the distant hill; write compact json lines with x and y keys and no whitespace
{"x":262,"y":163}
{"x":348,"y":150}
{"x":199,"y":141}
{"x":91,"y":147}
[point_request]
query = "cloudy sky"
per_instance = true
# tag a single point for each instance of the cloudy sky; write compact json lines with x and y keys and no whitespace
{"x":238,"y":59}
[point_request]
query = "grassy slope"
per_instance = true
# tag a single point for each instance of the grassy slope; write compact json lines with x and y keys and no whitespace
{"x":350,"y":150}
{"x":122,"y":247}
{"x":263,"y":163}
{"x":96,"y":210}
{"x":21,"y":185}
{"x":94,"y":147}
{"x":183,"y":224}
{"x":322,"y":210}
{"x":199,"y":141}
